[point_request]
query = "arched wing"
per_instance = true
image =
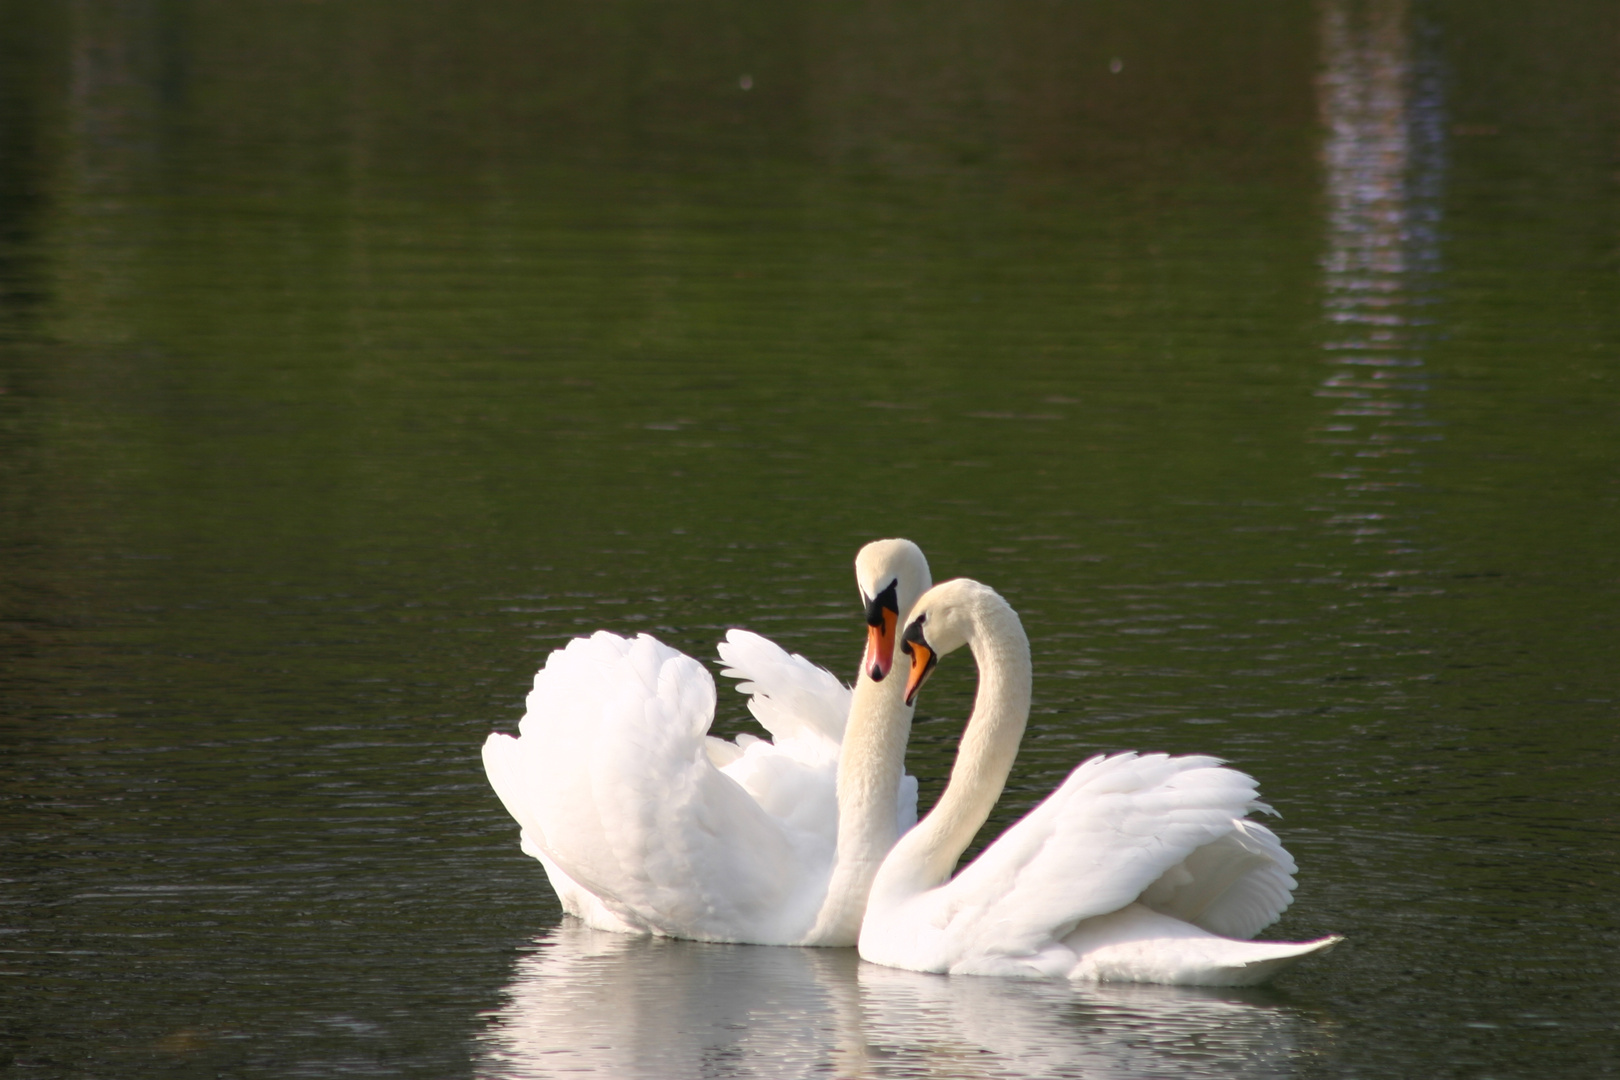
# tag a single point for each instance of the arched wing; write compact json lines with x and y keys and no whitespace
{"x":1115,"y":828}
{"x":612,"y":781}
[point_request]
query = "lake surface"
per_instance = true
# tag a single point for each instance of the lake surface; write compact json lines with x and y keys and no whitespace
{"x":354,"y":356}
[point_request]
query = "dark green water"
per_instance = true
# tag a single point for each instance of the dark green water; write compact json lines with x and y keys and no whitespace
{"x":353,"y":356}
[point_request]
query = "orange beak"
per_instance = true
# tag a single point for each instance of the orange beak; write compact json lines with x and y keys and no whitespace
{"x":922,"y":665}
{"x":880,"y":647}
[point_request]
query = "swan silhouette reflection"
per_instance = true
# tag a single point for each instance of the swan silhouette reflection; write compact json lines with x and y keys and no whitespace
{"x":589,"y":1001}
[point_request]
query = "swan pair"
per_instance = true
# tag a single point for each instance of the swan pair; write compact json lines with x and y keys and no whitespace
{"x":1138,"y":868}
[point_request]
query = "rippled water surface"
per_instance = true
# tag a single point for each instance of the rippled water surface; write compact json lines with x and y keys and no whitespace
{"x":353,"y":356}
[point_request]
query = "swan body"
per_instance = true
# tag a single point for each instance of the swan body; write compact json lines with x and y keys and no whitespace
{"x":646,"y":824}
{"x":1138,"y":868}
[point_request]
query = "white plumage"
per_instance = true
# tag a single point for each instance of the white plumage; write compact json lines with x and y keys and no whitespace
{"x":647,"y":824}
{"x":1138,"y":868}
{"x":794,"y":775}
{"x":613,"y":783}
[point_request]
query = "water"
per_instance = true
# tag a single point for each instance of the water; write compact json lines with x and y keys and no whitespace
{"x":586,"y":1001}
{"x":354,"y":356}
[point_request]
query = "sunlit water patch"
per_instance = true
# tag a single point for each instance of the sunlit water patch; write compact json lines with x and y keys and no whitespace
{"x":1383,"y":107}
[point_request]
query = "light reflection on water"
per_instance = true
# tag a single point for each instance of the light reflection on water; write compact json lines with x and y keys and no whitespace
{"x":588,"y":1001}
{"x":1382,"y":105}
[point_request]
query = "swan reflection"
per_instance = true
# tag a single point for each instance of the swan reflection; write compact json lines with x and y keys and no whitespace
{"x":589,"y":1001}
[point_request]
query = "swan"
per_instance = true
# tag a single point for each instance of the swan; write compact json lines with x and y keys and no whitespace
{"x":1138,"y":868}
{"x":645,"y":824}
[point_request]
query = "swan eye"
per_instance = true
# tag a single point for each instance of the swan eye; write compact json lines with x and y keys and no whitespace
{"x":886,"y":600}
{"x":914,"y":631}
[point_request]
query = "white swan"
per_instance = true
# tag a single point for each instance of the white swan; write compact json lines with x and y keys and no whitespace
{"x":645,"y":824}
{"x":1136,"y":869}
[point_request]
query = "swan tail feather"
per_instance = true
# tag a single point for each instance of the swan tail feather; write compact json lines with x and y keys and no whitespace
{"x":1139,"y":945}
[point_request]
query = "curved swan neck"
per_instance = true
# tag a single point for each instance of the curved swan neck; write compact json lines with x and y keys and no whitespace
{"x":927,"y":855}
{"x":870,"y":765}
{"x":871,"y":760}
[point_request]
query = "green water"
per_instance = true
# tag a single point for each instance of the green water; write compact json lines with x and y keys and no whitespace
{"x":356,"y":355}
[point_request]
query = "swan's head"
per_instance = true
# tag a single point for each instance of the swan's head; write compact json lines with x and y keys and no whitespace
{"x":891,"y":575}
{"x":944,"y":620}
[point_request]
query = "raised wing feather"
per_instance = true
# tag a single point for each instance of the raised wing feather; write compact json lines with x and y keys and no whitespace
{"x":1114,"y":828}
{"x":790,"y":697}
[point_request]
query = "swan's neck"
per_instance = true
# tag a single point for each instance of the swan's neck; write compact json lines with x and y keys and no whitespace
{"x":871,"y":762}
{"x":927,"y":855}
